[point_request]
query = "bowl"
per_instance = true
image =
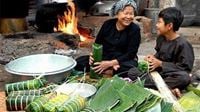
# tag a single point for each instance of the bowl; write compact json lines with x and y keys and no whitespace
{"x":53,"y":66}
{"x":83,"y":89}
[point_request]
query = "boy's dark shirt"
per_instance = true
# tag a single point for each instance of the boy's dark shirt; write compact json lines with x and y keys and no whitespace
{"x":121,"y":45}
{"x":177,"y":54}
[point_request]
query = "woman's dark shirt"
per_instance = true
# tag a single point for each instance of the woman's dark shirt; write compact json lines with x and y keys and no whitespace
{"x":121,"y":45}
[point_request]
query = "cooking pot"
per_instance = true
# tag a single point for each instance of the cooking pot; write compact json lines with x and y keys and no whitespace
{"x":46,"y":16}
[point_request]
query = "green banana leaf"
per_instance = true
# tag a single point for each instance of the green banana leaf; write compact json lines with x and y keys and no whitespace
{"x":135,"y":93}
{"x":87,"y":109}
{"x":118,"y":83}
{"x":149,"y":103}
{"x":105,"y":98}
{"x":195,"y":90}
{"x":190,"y":102}
{"x":166,"y":106}
{"x":117,"y":95}
{"x":124,"y":104}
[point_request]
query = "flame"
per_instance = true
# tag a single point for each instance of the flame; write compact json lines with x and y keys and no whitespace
{"x":68,"y":23}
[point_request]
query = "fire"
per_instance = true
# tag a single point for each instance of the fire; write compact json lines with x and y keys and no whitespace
{"x":69,"y":23}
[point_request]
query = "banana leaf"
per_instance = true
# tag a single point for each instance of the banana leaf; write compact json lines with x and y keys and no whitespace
{"x":105,"y":98}
{"x":166,"y":106}
{"x":124,"y":104}
{"x":118,"y":95}
{"x":118,"y":83}
{"x":87,"y":109}
{"x":195,"y":90}
{"x":100,"y":82}
{"x":148,"y":104}
{"x":135,"y":93}
{"x":190,"y":102}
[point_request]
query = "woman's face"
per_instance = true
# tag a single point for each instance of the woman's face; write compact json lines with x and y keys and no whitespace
{"x":126,"y":16}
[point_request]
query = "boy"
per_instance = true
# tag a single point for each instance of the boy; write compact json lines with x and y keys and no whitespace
{"x":174,"y":56}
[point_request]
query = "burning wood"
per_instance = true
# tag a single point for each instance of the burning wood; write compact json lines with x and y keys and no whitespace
{"x":69,"y":24}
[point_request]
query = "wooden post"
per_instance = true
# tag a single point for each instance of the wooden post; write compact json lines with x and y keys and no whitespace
{"x":165,"y":91}
{"x":12,"y":25}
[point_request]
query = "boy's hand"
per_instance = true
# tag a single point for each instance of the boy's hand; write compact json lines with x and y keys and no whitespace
{"x":154,"y":63}
{"x":149,"y":57}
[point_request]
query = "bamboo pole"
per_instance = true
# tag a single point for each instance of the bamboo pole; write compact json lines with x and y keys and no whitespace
{"x":165,"y":91}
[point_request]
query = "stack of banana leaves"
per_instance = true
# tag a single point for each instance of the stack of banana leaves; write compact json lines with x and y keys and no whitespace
{"x":20,"y":94}
{"x":190,"y":101}
{"x":117,"y":95}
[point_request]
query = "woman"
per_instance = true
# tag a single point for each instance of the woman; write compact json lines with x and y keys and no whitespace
{"x":120,"y":38}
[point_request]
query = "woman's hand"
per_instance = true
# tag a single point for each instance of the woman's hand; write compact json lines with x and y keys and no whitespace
{"x":91,"y":59}
{"x":99,"y":67}
{"x":104,"y":65}
{"x":115,"y":67}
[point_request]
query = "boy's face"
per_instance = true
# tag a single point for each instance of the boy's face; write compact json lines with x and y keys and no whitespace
{"x":163,"y":28}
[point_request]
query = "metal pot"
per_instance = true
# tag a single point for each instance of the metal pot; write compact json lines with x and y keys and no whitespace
{"x":41,"y":2}
{"x":54,"y":67}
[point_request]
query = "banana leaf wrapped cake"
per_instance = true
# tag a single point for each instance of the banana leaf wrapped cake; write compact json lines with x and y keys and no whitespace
{"x":25,"y":85}
{"x":37,"y":104}
{"x":34,"y":92}
{"x":18,"y":100}
{"x":16,"y":103}
{"x":57,"y":103}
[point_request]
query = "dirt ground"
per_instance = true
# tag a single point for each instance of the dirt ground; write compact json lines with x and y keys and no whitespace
{"x":4,"y":77}
{"x":192,"y":33}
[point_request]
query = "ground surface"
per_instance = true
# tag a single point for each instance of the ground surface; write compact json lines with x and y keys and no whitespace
{"x":192,"y":33}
